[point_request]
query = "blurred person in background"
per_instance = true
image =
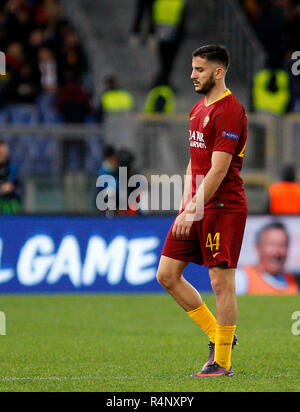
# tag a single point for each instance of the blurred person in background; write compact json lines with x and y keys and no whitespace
{"x":127,"y":159}
{"x":19,"y":21}
{"x":113,"y":160}
{"x":71,"y":56}
{"x":160,"y":99}
{"x":268,"y":276}
{"x":271,"y":89}
{"x":110,"y":163}
{"x":10,"y":187}
{"x":48,"y":68}
{"x":35,"y":42}
{"x":74,"y":102}
{"x":268,"y":18}
{"x":114,"y":99}
{"x":74,"y":105}
{"x":110,"y":167}
{"x":23,"y":86}
{"x":293,"y":25}
{"x":284,"y":196}
{"x":14,"y":62}
{"x":169,"y":22}
{"x":2,"y":28}
{"x":47,"y":10}
{"x":142,"y":19}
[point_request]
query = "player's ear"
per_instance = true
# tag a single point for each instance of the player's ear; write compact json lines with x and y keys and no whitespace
{"x":219,"y":73}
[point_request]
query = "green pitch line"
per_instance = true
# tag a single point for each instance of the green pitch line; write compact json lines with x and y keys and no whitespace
{"x":140,"y":343}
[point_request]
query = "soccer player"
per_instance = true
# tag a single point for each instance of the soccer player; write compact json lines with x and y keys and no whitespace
{"x":217,"y":140}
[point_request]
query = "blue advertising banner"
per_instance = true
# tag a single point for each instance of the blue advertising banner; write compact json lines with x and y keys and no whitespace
{"x":85,"y":254}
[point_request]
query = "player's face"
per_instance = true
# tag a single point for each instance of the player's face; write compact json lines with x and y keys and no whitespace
{"x":203,"y":75}
{"x":273,"y":250}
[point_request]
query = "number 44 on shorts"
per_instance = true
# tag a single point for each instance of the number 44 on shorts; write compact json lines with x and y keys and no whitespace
{"x":213,"y":242}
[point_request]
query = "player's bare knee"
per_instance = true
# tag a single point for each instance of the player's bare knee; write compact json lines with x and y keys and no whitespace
{"x":221,"y":286}
{"x":166,"y":278}
{"x":217,"y":286}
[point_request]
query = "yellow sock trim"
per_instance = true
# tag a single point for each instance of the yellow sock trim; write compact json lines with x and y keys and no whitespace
{"x":223,"y":345}
{"x":203,"y":317}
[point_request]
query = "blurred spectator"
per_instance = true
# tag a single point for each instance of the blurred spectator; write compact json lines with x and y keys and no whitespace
{"x":127,"y":159}
{"x":71,"y":56}
{"x":160,"y":99}
{"x":35,"y":42}
{"x":269,"y":20}
{"x":48,"y":69}
{"x":14,"y":56}
{"x":268,"y":276}
{"x":277,"y":24}
{"x":271,"y":90}
{"x":142,"y":14}
{"x":3,"y":29}
{"x":47,"y":10}
{"x":110,"y":161}
{"x":74,"y":102}
{"x":19,"y":21}
{"x":114,"y":99}
{"x":40,"y":46}
{"x":74,"y":105}
{"x":168,"y":20}
{"x":115,"y":194}
{"x":10,"y":188}
{"x":284,"y":196}
{"x":23,"y":81}
{"x":109,"y":167}
{"x":293,"y":25}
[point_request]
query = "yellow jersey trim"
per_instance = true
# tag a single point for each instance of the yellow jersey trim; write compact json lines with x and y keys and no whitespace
{"x":225,"y":94}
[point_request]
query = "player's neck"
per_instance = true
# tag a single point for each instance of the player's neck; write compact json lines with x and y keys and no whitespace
{"x":214,"y":94}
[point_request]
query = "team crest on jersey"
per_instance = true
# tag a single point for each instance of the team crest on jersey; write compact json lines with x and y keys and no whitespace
{"x":206,"y":120}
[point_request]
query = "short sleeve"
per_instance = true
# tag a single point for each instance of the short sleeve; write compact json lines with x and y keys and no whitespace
{"x":228,"y":128}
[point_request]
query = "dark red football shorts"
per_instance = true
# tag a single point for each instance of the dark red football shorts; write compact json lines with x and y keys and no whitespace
{"x":215,"y":239}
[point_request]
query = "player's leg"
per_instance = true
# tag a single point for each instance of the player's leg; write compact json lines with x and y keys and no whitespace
{"x":223,"y":285}
{"x":221,"y":244}
{"x":170,"y":276}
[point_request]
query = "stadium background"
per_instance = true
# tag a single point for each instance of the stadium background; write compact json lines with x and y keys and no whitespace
{"x":50,"y":244}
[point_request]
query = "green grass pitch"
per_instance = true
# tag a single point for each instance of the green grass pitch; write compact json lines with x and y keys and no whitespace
{"x":140,"y":343}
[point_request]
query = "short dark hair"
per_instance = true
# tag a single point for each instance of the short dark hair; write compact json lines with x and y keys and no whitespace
{"x":214,"y":53}
{"x":109,"y":151}
{"x":272,"y":225}
{"x":288,"y":173}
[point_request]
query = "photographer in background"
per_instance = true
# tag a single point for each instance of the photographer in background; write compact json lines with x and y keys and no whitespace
{"x":10,"y":188}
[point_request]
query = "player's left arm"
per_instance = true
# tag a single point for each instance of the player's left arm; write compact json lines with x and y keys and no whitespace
{"x":219,"y":168}
{"x":210,"y":184}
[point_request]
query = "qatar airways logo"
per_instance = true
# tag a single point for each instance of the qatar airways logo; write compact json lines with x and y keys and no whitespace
{"x":197,"y":139}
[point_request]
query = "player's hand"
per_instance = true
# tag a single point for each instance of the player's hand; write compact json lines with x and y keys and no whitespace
{"x":182,"y":225}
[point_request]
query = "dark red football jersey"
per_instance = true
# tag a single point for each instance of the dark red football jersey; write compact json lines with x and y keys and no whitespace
{"x":221,"y":126}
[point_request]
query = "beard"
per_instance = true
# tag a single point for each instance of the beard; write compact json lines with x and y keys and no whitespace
{"x":207,"y":86}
